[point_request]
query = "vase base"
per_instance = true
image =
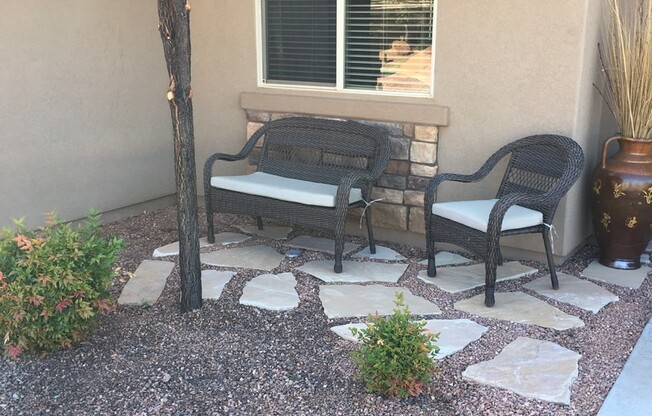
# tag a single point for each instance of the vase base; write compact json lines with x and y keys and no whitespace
{"x":621,"y":264}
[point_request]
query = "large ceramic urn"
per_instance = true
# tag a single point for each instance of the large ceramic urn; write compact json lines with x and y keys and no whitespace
{"x":622,"y":203}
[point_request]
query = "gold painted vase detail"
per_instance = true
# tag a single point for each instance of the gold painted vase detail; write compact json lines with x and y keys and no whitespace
{"x":622,"y":203}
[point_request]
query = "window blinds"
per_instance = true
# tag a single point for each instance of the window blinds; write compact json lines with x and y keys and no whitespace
{"x":300,"y":41}
{"x":388,"y":45}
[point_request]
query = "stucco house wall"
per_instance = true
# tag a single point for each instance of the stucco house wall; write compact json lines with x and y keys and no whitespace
{"x":84,"y":117}
{"x":90,"y":125}
{"x":503,"y":69}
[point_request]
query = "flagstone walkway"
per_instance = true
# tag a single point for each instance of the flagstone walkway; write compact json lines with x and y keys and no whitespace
{"x":532,"y":368}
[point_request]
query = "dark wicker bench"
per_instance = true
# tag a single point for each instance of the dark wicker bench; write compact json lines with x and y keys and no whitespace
{"x":311,"y":172}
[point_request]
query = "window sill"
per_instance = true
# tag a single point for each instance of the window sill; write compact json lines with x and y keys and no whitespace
{"x":354,"y":106}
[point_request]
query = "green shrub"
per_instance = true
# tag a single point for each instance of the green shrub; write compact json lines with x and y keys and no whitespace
{"x":53,"y":283}
{"x":395,"y":357}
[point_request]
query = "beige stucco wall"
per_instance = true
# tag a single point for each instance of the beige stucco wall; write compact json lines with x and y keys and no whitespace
{"x":504,"y":69}
{"x":510,"y":68}
{"x":82,"y":83}
{"x":84,"y":117}
{"x":224,"y":65}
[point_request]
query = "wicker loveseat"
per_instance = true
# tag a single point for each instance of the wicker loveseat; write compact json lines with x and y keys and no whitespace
{"x":311,"y":172}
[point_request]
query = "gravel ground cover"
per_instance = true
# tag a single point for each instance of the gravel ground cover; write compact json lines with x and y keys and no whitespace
{"x":231,"y":359}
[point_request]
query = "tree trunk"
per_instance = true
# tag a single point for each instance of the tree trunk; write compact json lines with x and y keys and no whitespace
{"x":174,"y":26}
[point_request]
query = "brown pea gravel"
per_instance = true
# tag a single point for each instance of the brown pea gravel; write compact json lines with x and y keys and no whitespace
{"x":230,"y":359}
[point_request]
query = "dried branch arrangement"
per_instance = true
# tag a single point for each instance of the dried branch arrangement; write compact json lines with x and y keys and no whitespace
{"x":626,"y":57}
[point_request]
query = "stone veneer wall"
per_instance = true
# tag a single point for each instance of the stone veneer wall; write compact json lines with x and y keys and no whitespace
{"x":413,"y":162}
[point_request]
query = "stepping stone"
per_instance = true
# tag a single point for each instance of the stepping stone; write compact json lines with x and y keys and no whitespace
{"x":325,"y":245}
{"x":213,"y":282}
{"x":354,"y":271}
{"x":529,"y":367}
{"x":274,"y":233}
{"x":632,"y":279}
{"x":272,"y":292}
{"x":459,"y":279}
{"x":445,"y":258}
{"x":520,"y":308}
{"x":254,"y":257}
{"x":344,"y":301}
{"x":574,"y":291}
{"x":147,"y":284}
{"x":454,"y":334}
{"x":172,"y":249}
{"x":382,"y":253}
{"x":630,"y":394}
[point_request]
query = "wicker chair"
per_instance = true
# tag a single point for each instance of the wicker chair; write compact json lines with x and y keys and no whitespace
{"x":311,"y":172}
{"x":540,"y":171}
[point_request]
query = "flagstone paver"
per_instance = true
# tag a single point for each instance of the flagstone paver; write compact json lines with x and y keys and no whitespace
{"x":172,"y":249}
{"x":254,"y":257}
{"x":147,"y":284}
{"x":461,"y":278}
{"x":213,"y":282}
{"x":632,"y":279}
{"x":577,"y":292}
{"x":454,"y":334}
{"x":532,"y":368}
{"x":382,"y":253}
{"x":325,"y":245}
{"x":275,"y":233}
{"x":355,"y":271}
{"x":272,"y":292}
{"x":445,"y":258}
{"x":342,"y":301}
{"x":520,"y":308}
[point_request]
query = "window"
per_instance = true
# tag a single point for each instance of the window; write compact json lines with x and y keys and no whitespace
{"x":384,"y":46}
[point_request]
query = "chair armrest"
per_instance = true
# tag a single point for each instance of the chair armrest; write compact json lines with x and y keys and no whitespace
{"x":431,"y":190}
{"x":505,"y":203}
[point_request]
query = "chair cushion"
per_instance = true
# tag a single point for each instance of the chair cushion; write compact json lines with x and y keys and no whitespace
{"x":475,"y":214}
{"x":285,"y":189}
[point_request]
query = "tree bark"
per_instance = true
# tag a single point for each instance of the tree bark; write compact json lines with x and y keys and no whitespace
{"x":174,"y":26}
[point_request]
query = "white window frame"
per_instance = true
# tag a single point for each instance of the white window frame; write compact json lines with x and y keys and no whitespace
{"x":339,"y":61}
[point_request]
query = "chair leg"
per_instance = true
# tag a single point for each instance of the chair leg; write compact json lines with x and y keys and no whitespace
{"x":551,"y":262}
{"x":339,"y":243}
{"x":491,"y":259}
{"x":259,"y":223}
{"x":209,"y":220}
{"x":490,"y":282}
{"x":339,"y":248}
{"x":430,"y":251}
{"x":370,"y":232}
{"x":432,"y":267}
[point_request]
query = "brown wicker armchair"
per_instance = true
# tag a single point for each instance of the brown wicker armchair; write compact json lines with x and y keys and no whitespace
{"x":541,"y":170}
{"x":311,"y":172}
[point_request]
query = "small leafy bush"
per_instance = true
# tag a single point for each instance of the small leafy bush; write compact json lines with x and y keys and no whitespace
{"x":395,"y":357}
{"x":53,"y":283}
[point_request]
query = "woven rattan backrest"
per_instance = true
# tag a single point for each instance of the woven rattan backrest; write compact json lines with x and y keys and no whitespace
{"x":542,"y":164}
{"x":320,"y":150}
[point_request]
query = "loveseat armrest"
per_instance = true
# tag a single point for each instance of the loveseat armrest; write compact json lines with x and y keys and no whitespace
{"x":242,"y":154}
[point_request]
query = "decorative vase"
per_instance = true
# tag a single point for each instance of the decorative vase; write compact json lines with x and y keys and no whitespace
{"x":622,"y":203}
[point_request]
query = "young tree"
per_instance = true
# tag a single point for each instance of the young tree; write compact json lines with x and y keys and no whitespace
{"x":174,"y":26}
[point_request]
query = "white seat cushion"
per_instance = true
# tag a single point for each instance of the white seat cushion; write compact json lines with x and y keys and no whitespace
{"x":475,"y":214}
{"x":285,"y":189}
